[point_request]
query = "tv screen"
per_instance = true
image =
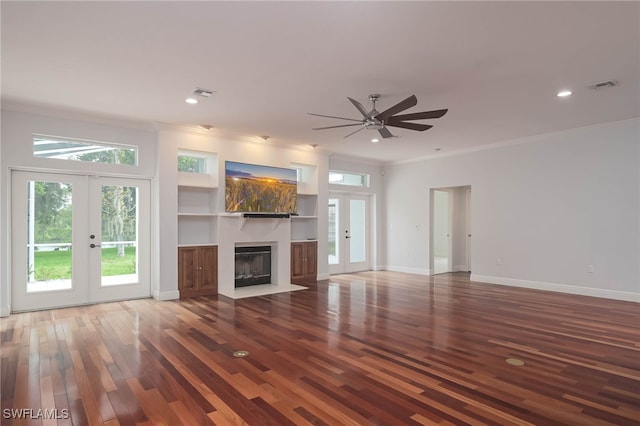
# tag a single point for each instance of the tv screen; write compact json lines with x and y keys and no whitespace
{"x":261,"y":189}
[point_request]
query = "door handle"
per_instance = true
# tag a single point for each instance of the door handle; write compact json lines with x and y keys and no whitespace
{"x":94,"y":245}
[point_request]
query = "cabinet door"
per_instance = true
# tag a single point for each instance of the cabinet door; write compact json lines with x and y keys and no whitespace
{"x":187,"y":268}
{"x":208,"y":262}
{"x":311,"y":261}
{"x":297,"y":261}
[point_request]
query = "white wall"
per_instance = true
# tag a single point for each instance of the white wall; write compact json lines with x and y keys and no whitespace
{"x":547,"y":206}
{"x":16,"y":146}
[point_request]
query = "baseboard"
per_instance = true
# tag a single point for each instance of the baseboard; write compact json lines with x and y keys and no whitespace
{"x":460,"y":268}
{"x":323,"y":276}
{"x":5,"y":311}
{"x":166,"y":295}
{"x":406,"y":270}
{"x":561,"y":288}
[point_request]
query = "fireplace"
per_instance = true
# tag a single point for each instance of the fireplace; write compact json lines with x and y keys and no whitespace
{"x":252,"y":266}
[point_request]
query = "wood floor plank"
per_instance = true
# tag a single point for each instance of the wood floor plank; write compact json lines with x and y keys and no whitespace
{"x":367,"y":348}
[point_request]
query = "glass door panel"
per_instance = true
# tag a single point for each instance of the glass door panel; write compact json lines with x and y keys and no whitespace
{"x":334,"y":231}
{"x":357,"y":237}
{"x":49,"y":235}
{"x":119,"y":217}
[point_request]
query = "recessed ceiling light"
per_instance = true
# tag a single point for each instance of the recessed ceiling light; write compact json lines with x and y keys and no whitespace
{"x":564,"y":93}
{"x":191,"y":101}
{"x":374,"y":140}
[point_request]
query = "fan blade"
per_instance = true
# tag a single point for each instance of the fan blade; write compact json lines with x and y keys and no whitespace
{"x":353,"y":133}
{"x":399,"y":107}
{"x":331,"y":116}
{"x":358,"y":105}
{"x":385,"y":133}
{"x":425,"y":115}
{"x":412,"y":126}
{"x":334,"y":127}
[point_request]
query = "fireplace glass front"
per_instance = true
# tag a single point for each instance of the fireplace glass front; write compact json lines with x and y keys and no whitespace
{"x":252,"y":266}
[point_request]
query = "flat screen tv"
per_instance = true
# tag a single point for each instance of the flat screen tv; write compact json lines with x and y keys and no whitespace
{"x":259,"y":189}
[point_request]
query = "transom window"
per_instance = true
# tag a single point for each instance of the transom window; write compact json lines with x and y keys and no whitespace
{"x":190,"y":163}
{"x":345,"y":178}
{"x":83,"y":150}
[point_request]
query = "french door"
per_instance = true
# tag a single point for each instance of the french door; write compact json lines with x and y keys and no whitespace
{"x":78,"y":239}
{"x":348,"y":233}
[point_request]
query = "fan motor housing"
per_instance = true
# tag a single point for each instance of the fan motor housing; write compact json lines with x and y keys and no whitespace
{"x":373,"y":124}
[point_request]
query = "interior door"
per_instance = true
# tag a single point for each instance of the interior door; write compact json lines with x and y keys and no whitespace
{"x":77,"y":240}
{"x":348,"y":233}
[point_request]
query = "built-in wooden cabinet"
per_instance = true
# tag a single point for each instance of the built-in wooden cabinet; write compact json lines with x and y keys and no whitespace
{"x":304,"y":262}
{"x":197,"y":271}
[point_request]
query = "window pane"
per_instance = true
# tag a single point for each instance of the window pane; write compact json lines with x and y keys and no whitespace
{"x":351,"y":179}
{"x":49,"y":236}
{"x":190,"y":164}
{"x":78,"y":150}
{"x":119,"y":234}
{"x":333,"y":232}
{"x":357,"y":243}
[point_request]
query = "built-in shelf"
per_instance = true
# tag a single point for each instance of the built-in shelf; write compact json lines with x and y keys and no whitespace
{"x":197,"y":214}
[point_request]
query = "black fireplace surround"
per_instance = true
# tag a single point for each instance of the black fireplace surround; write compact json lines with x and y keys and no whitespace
{"x":252,"y":266}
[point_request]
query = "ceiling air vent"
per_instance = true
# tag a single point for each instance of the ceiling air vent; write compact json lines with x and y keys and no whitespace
{"x":203,"y":92}
{"x":603,"y":85}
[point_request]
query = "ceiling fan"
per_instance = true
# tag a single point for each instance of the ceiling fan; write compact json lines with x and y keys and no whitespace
{"x":374,"y":120}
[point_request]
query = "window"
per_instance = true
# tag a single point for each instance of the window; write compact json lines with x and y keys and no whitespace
{"x":83,"y":150}
{"x":351,"y":179}
{"x":191,"y":164}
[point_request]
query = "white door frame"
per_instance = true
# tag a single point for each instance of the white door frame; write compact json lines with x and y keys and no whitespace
{"x":459,"y":221}
{"x":468,"y":230}
{"x":86,"y":284}
{"x":345,"y":265}
{"x":434,"y":230}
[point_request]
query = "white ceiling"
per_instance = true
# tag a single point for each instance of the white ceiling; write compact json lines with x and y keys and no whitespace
{"x":495,"y":65}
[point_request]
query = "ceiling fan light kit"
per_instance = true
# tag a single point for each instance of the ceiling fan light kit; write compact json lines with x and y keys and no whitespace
{"x":374,"y":120}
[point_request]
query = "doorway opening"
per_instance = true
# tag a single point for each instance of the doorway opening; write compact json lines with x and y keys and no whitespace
{"x":450,"y":236}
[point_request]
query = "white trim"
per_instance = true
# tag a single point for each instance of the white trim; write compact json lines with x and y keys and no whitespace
{"x":510,"y":142}
{"x":5,"y":310}
{"x":561,"y":288}
{"x":406,"y":270}
{"x":323,"y":276}
{"x":460,"y":268}
{"x":166,"y":295}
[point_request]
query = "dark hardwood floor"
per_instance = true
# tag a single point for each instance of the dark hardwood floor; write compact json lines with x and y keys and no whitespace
{"x":369,"y":348}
